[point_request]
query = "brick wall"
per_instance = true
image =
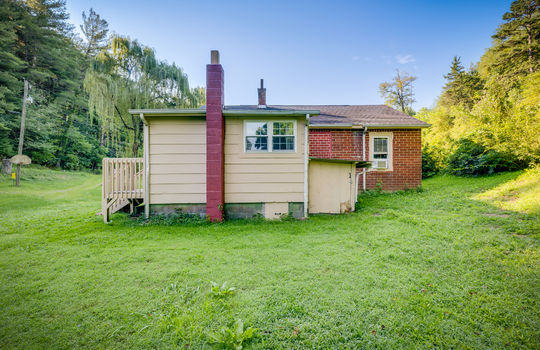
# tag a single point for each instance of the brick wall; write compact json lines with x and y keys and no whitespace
{"x":347,"y":144}
{"x":407,"y":162}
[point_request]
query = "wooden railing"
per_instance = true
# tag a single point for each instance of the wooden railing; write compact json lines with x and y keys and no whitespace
{"x":123,"y":184}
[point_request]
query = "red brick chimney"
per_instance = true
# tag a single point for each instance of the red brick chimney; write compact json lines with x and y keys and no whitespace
{"x":215,"y":136}
{"x":262,"y":95}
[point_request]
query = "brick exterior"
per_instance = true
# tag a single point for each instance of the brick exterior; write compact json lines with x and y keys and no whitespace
{"x":347,"y":144}
{"x":215,"y":137}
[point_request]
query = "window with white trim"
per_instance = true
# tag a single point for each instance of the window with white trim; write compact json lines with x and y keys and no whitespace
{"x":381,"y":151}
{"x":270,"y":136}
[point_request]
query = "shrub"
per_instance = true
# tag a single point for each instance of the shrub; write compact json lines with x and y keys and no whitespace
{"x":429,"y":165}
{"x":473,"y":159}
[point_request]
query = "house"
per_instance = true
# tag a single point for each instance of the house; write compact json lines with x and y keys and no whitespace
{"x":264,"y":160}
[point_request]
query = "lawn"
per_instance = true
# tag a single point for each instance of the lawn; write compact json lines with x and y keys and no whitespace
{"x":443,"y":267}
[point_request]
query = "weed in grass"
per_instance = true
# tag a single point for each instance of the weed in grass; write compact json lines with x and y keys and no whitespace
{"x":188,"y":314}
{"x":221,"y":291}
{"x":234,"y":337}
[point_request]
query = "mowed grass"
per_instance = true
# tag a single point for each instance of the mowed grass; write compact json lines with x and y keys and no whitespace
{"x":521,"y":194}
{"x":435,"y":268}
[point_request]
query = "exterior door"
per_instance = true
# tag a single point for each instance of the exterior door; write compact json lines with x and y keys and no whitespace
{"x":331,"y":187}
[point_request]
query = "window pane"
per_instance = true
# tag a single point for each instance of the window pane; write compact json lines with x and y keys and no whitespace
{"x":283,"y":128}
{"x":257,"y":143}
{"x":380,"y":156}
{"x":256,"y":128}
{"x":380,"y":144}
{"x":283,"y":143}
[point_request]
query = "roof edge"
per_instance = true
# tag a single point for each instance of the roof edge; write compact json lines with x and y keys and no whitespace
{"x":397,"y":126}
{"x":226,"y":112}
{"x":170,"y":112}
{"x":265,"y":112}
{"x":333,"y":126}
{"x":335,"y":160}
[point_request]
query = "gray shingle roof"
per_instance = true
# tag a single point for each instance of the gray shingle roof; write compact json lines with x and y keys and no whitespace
{"x":364,"y":115}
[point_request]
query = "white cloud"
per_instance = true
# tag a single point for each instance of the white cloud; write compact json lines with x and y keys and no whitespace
{"x":404,"y":59}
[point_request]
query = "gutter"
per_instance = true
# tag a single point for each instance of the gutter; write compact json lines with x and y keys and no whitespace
{"x":199,"y":112}
{"x":146,"y":166}
{"x":332,"y":126}
{"x":306,"y":163}
{"x":266,"y":112}
{"x":169,"y":112}
{"x":404,"y":126}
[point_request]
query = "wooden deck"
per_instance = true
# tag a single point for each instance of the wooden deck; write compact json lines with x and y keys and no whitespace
{"x":123,"y":184}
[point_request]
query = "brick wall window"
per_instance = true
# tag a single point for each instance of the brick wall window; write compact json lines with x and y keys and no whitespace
{"x":270,"y":136}
{"x":380,"y":150}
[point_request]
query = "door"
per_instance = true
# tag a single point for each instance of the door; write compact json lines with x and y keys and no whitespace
{"x":331,"y":187}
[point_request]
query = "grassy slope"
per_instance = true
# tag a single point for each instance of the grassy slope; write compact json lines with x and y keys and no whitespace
{"x":521,"y":194}
{"x":408,"y":270}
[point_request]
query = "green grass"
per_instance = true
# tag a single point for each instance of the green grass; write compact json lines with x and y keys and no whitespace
{"x":521,"y":194}
{"x":408,"y":270}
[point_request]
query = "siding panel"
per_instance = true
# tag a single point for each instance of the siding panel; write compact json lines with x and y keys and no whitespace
{"x":265,"y":176}
{"x":177,"y":157}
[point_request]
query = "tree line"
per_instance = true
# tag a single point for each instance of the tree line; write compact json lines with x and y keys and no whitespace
{"x":487,"y":118}
{"x":79,"y":88}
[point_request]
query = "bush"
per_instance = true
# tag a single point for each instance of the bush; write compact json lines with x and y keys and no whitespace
{"x":429,"y":165}
{"x":473,"y":159}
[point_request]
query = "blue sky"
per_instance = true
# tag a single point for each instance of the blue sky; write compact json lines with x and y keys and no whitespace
{"x":309,"y":52}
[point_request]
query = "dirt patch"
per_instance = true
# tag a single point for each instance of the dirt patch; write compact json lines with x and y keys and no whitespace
{"x":519,"y":236}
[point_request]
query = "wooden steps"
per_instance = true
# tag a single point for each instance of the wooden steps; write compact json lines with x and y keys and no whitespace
{"x":123,"y":184}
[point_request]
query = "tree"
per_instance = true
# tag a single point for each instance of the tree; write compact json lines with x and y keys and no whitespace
{"x":128,"y":75}
{"x":10,"y":64}
{"x":95,"y":31}
{"x":517,"y":41}
{"x":399,"y":92}
{"x":39,"y":46}
{"x":462,"y":87}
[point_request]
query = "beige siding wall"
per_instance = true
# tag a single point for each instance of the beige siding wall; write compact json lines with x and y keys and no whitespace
{"x":177,"y":157}
{"x":264,"y":176}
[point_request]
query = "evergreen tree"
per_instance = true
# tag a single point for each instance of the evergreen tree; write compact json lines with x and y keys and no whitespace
{"x":463,"y":87}
{"x":95,"y":31}
{"x":517,"y":41}
{"x":10,"y":64}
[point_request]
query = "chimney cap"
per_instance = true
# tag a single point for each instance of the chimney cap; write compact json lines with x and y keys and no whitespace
{"x":262,"y":83}
{"x":214,"y":57}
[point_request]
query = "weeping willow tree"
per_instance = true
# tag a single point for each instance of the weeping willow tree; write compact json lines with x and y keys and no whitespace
{"x":128,"y":75}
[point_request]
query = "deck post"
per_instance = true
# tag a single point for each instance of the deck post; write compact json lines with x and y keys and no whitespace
{"x":104,"y":180}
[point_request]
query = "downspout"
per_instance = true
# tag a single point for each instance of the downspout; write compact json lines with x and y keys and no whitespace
{"x":363,"y":172}
{"x":306,"y":160}
{"x":146,"y":167}
{"x":364,"y":157}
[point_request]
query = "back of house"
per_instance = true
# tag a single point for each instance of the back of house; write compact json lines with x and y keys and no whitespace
{"x":265,"y":160}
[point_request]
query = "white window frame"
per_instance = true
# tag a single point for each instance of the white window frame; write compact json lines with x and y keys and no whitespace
{"x":390,"y":149}
{"x":270,"y":135}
